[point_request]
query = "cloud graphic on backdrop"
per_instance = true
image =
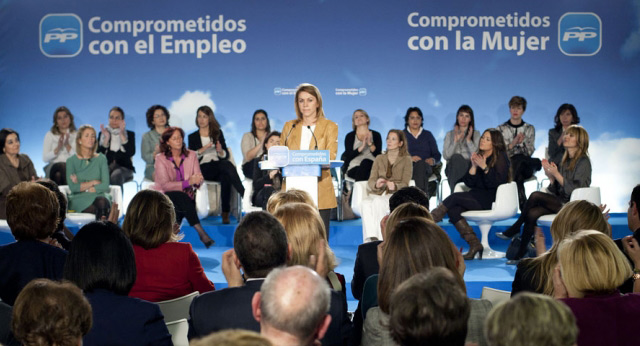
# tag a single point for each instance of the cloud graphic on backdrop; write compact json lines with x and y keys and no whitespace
{"x":433,"y":100}
{"x":631,"y":46}
{"x":183,"y":110}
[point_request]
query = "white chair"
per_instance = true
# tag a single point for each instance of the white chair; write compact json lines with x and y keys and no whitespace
{"x":79,"y":218}
{"x":504,"y":207}
{"x":208,"y":197}
{"x":360,"y":192}
{"x":247,"y":207}
{"x":179,"y":331}
{"x":495,"y":296}
{"x":177,"y":308}
{"x":591,"y":194}
{"x":4,"y":226}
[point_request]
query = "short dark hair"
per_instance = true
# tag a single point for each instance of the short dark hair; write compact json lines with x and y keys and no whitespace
{"x":152,"y":110}
{"x":4,"y":133}
{"x":635,"y":196}
{"x":62,"y":200}
{"x":518,"y":101}
{"x":409,"y":111}
{"x":32,"y":211}
{"x":575,"y":119}
{"x":408,"y":194}
{"x":429,"y":308}
{"x":119,"y":110}
{"x":266,"y":139}
{"x":101,"y":257}
{"x":260,"y":242}
{"x":472,"y":121}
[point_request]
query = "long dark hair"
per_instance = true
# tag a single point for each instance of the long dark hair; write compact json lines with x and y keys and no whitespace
{"x":566,"y":107}
{"x":4,"y":133}
{"x":497,"y":141}
{"x":164,"y":147}
{"x":214,"y":126}
{"x":472,"y":123}
{"x":254,"y":130}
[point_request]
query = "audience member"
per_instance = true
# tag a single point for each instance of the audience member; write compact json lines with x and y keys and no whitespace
{"x":33,"y":217}
{"x":166,"y":269}
{"x":291,"y":196}
{"x":292,"y":306}
{"x":48,"y":313}
{"x":566,"y":116}
{"x":118,"y":145}
{"x":252,"y":143}
{"x":6,"y":336}
{"x":415,"y":245}
{"x":391,"y":171}
{"x":627,"y":244}
{"x":531,"y":319}
{"x":266,"y":182}
{"x":489,"y":169}
{"x":361,"y":146}
{"x":14,"y":167}
{"x":429,"y":309}
{"x":459,"y":144}
{"x":519,"y":138}
{"x":422,"y":148}
{"x":157,"y":120}
{"x":102,"y":263}
{"x":535,"y":274}
{"x":208,"y":142}
{"x":591,"y":267}
{"x":232,"y":337}
{"x":62,"y":234}
{"x":59,"y":145}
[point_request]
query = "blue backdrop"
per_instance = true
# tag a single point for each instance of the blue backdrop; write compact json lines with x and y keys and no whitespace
{"x":382,"y":56}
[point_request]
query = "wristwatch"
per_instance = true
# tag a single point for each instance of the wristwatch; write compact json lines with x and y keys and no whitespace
{"x":636,"y":274}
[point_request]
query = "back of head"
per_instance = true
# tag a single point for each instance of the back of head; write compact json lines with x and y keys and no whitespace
{"x":404,"y":211}
{"x":101,"y":257}
{"x":291,"y":196}
{"x":414,"y":246}
{"x":294,"y":300}
{"x":408,"y":194}
{"x":232,"y":337}
{"x":62,"y":200}
{"x":531,"y":319}
{"x":260,"y":242}
{"x":32,"y":211}
{"x":149,"y":220}
{"x":591,"y":263}
{"x":51,"y":313}
{"x":429,"y":308}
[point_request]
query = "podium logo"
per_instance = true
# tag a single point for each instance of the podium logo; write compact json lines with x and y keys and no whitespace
{"x":61,"y":35}
{"x":580,"y":34}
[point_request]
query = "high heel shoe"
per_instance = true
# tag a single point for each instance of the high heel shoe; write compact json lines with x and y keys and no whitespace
{"x":504,"y":235}
{"x":478,"y":249}
{"x":208,"y":242}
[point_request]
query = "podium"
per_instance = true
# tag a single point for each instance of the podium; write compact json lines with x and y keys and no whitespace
{"x":300,"y":168}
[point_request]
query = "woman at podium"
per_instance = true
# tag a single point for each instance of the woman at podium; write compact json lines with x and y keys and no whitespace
{"x":311,"y":130}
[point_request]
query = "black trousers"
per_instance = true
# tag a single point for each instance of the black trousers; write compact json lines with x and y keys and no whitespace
{"x":459,"y":202}
{"x":184,"y":207}
{"x":362,"y":171}
{"x":100,"y":206}
{"x":224,"y":172}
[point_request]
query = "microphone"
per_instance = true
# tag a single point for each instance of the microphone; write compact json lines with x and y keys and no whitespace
{"x":288,"y":134}
{"x":314,"y":137}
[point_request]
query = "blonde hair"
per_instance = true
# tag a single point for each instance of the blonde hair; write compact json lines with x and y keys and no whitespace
{"x":353,"y":117}
{"x":582,"y":139}
{"x":304,"y":228}
{"x":232,"y":337}
{"x":313,"y":90}
{"x":531,"y":319}
{"x":403,"y":150}
{"x":573,"y":216}
{"x":284,"y":197}
{"x":404,"y":211}
{"x":79,"y":138}
{"x":149,"y":220}
{"x":591,"y":262}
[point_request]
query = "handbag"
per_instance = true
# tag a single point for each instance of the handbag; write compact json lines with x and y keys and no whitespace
{"x":514,"y":247}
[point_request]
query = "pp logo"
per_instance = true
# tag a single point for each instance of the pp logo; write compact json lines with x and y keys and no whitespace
{"x":61,"y":35}
{"x":580,"y":34}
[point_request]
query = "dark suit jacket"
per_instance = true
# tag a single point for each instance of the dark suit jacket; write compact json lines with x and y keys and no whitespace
{"x":350,"y":153}
{"x":122,"y":320}
{"x":231,"y":308}
{"x":627,"y":286}
{"x":121,"y":158}
{"x":6,"y":336}
{"x":366,"y":265}
{"x":195,"y":143}
{"x":24,"y":261}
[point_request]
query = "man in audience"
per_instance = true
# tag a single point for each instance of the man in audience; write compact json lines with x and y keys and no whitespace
{"x":292,"y":306}
{"x":260,"y":245}
{"x":429,"y":309}
{"x":366,"y":263}
{"x":633,"y":221}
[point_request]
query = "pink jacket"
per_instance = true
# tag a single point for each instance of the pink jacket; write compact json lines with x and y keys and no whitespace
{"x":165,"y":174}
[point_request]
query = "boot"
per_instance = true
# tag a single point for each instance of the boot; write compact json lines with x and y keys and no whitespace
{"x":439,"y":213}
{"x":469,"y":236}
{"x":225,"y":218}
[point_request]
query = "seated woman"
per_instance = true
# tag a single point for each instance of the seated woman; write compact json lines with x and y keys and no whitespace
{"x":102,"y":263}
{"x":158,"y":121}
{"x":414,"y":246}
{"x":208,"y":142}
{"x":591,"y":267}
{"x":422,"y":147}
{"x":118,"y":145}
{"x":50,"y":313}
{"x":33,"y":216}
{"x":166,"y":269}
{"x":252,"y":142}
{"x":266,"y":182}
{"x":566,"y":116}
{"x":307,"y":237}
{"x":177,"y":174}
{"x":88,"y":176}
{"x":574,"y":172}
{"x":459,"y":144}
{"x":14,"y":167}
{"x":534,"y":274}
{"x":489,"y":169}
{"x":361,"y":146}
{"x":391,"y":171}
{"x":59,"y":145}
